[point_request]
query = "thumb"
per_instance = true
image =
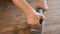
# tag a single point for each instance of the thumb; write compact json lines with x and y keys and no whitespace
{"x":40,"y":16}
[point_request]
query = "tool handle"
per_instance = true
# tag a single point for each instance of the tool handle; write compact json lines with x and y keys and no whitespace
{"x":40,"y":11}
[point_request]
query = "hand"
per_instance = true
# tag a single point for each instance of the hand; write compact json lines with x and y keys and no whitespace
{"x":33,"y":20}
{"x":42,"y":4}
{"x":41,"y":7}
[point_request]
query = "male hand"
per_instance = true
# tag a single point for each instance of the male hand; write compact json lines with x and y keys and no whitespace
{"x":33,"y":20}
{"x":42,"y":4}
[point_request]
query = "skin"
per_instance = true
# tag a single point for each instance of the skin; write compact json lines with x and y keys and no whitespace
{"x":42,"y":4}
{"x":32,"y":15}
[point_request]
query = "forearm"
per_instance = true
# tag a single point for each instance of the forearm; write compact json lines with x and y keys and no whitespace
{"x":22,"y":4}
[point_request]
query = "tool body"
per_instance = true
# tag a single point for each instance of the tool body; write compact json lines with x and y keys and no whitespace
{"x":41,"y":21}
{"x":40,"y":11}
{"x":39,"y":30}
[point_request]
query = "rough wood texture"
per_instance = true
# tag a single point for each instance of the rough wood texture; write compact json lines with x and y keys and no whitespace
{"x":52,"y":25}
{"x":12,"y":20}
{"x":11,"y":17}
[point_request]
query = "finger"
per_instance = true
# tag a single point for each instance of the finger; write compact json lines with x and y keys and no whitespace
{"x":42,"y":17}
{"x":35,"y":25}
